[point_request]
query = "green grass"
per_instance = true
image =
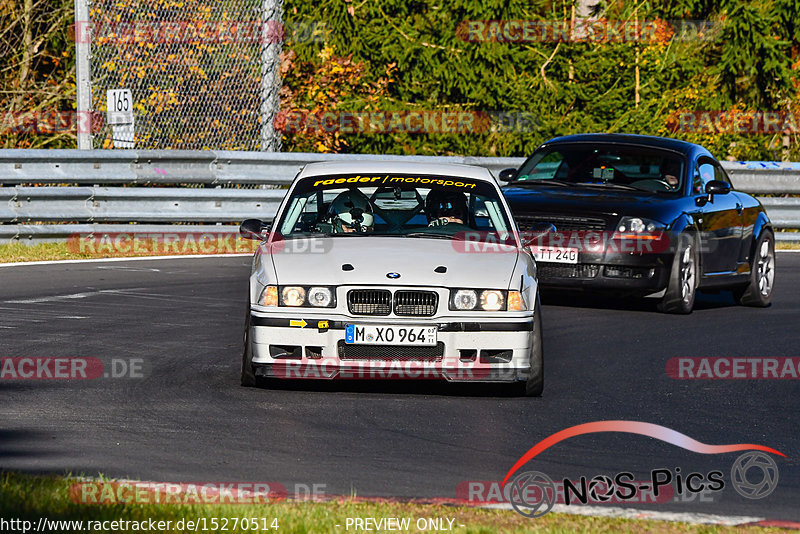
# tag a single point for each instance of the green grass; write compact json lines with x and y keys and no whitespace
{"x":19,"y":252}
{"x":29,"y":497}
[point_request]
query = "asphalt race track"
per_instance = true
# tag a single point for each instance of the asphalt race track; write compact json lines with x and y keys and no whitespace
{"x":187,"y":419}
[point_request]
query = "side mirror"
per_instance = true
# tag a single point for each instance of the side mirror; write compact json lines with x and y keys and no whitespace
{"x":717,"y":187}
{"x":253,"y":229}
{"x":506,"y":175}
{"x":535,"y":232}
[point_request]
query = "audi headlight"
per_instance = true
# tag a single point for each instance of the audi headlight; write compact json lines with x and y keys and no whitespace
{"x":293,"y":296}
{"x":320,"y":297}
{"x":638,"y":225}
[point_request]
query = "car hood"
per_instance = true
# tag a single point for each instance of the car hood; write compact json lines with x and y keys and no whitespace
{"x":580,"y":200}
{"x":414,"y":259}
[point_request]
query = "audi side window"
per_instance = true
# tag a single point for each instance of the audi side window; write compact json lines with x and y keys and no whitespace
{"x":697,"y":183}
{"x":703,"y":174}
{"x":721,"y":175}
{"x":546,"y":167}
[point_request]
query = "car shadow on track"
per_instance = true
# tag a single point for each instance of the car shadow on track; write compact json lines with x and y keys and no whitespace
{"x":393,"y":387}
{"x":579,"y":299}
{"x":22,"y":445}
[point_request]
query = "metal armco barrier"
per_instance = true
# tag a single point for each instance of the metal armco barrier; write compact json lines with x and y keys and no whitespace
{"x":124,"y":167}
{"x":136,"y":204}
{"x":99,"y":196}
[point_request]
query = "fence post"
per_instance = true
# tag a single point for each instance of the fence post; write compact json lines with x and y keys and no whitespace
{"x":83,"y":81}
{"x":272,"y":35}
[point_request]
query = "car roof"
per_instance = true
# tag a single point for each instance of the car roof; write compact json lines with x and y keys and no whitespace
{"x":630,"y":139}
{"x":396,"y":167}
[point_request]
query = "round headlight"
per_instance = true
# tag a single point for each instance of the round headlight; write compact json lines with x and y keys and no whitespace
{"x":293,"y":296}
{"x":465,"y":299}
{"x":492,"y":300}
{"x":320,"y":297}
{"x":636,"y":225}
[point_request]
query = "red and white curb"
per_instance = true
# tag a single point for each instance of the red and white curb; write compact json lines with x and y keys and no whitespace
{"x":589,"y":511}
{"x":654,"y":515}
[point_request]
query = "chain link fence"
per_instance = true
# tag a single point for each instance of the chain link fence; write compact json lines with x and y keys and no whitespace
{"x":203,"y":74}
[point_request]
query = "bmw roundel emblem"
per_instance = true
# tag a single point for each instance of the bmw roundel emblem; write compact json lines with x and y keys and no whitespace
{"x":393,"y":276}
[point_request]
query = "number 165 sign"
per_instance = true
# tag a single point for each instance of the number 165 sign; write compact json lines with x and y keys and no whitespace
{"x":119,"y":103}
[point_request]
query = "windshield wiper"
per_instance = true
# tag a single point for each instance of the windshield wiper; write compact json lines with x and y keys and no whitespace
{"x":302,"y":235}
{"x":544,"y":181}
{"x":305,"y":235}
{"x":609,"y":184}
{"x":428,"y":234}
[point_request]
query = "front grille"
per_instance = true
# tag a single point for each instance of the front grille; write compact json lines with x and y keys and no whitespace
{"x":547,"y":271}
{"x":563,"y":223}
{"x":415,"y":303}
{"x":390,"y":352}
{"x":369,"y":301}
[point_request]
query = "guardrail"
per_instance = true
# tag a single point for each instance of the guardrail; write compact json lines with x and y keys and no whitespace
{"x":101,"y":195}
{"x":124,"y":167}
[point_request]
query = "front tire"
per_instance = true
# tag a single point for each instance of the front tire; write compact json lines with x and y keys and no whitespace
{"x":534,"y":385}
{"x":758,"y":291}
{"x":248,"y":376}
{"x":682,"y":287}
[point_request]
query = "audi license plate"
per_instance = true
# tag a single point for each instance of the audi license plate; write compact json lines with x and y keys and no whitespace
{"x":390,"y":335}
{"x":555,"y":254}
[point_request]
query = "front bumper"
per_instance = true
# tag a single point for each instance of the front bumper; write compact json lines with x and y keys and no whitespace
{"x":625,"y":272}
{"x":474,"y":349}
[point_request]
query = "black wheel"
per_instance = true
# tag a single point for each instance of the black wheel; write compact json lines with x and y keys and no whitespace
{"x":682,"y":286}
{"x":758,"y":291}
{"x":248,"y":376}
{"x":534,"y":385}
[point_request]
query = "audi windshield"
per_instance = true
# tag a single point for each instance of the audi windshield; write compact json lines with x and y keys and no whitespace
{"x":614,"y":166}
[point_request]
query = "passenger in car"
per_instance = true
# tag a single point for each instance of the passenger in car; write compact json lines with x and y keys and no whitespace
{"x":443,"y":207}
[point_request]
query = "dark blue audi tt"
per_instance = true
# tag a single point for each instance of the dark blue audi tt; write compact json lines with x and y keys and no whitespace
{"x":641,"y":215}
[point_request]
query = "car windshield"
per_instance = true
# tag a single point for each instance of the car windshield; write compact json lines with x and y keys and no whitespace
{"x":623,"y":166}
{"x":421,"y":206}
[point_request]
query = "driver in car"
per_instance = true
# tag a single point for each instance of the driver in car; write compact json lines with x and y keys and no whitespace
{"x":443,"y":208}
{"x":351,"y":212}
{"x":669,"y":173}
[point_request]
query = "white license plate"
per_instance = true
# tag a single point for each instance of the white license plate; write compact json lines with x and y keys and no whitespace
{"x":390,"y":335}
{"x":555,"y":254}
